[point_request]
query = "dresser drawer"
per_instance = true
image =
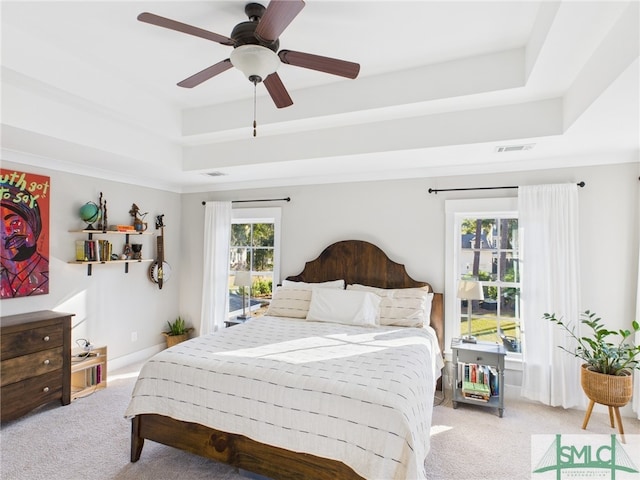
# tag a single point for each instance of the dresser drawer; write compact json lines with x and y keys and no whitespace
{"x":31,"y":340}
{"x":21,"y":397}
{"x":35,"y":365}
{"x":19,"y":368}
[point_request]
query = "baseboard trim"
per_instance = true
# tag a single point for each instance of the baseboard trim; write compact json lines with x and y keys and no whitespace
{"x":135,"y":357}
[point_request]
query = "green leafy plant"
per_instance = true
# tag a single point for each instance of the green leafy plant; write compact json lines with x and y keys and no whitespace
{"x":178,"y":327}
{"x":597,"y":350}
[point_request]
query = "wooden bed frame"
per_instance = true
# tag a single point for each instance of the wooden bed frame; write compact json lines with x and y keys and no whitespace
{"x":354,"y":261}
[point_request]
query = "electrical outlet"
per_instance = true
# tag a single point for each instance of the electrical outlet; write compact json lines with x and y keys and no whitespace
{"x":134,"y":336}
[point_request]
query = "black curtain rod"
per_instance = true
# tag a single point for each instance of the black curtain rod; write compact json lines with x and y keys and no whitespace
{"x":286,"y":199}
{"x":432,"y":190}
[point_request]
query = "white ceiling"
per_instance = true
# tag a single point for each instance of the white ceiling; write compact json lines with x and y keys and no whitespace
{"x":89,"y":89}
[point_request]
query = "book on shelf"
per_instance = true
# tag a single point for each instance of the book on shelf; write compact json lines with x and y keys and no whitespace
{"x":476,"y":391}
{"x":81,"y":255}
{"x":123,"y":228}
{"x":93,"y":376}
{"x":478,"y":375}
{"x":475,"y":388}
{"x":478,"y":398}
{"x":93,"y":250}
{"x":104,"y":250}
{"x":494,"y":383}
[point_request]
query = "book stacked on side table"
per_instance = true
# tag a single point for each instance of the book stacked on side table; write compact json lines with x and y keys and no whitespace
{"x":476,"y":391}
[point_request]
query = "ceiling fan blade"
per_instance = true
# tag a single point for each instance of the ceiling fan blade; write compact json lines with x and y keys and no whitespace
{"x":206,"y":74}
{"x":277,"y":17}
{"x":321,"y":64}
{"x":183,"y":27}
{"x":277,"y":91}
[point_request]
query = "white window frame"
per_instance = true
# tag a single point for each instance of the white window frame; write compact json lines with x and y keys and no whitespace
{"x":263,"y":215}
{"x":455,"y":209}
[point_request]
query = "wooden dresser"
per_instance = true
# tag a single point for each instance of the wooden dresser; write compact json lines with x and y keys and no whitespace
{"x":35,"y":366}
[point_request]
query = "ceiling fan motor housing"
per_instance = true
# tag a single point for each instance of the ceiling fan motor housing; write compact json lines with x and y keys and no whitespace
{"x":244,"y":32}
{"x":249,"y":54}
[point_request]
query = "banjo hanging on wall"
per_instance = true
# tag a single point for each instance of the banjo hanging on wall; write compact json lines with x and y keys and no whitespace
{"x":160,"y":271}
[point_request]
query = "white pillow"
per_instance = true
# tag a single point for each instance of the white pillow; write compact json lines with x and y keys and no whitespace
{"x":309,"y":286}
{"x":383,"y":292}
{"x":404,"y":307}
{"x":344,"y":306}
{"x":289,"y":302}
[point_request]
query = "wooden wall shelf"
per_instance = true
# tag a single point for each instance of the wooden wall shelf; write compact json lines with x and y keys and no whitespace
{"x":111,"y":232}
{"x":90,"y":263}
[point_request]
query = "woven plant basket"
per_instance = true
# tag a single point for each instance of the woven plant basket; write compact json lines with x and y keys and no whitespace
{"x":610,"y":390}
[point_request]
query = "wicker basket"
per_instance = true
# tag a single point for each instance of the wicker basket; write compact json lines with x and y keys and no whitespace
{"x":610,"y":390}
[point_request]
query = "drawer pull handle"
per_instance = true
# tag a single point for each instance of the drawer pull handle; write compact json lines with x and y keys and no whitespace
{"x":45,"y":389}
{"x":46,"y":338}
{"x":47,"y":362}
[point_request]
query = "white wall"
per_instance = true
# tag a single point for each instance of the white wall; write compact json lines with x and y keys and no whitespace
{"x":109,"y":304}
{"x":400,"y":216}
{"x":407,"y":222}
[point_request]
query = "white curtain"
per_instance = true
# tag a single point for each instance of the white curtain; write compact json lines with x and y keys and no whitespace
{"x":636,"y":380}
{"x":215,"y":275}
{"x":548,"y":221}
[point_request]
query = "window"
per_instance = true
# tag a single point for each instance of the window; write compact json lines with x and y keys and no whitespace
{"x":254,"y":248}
{"x":489,"y":254}
{"x":484,"y":247}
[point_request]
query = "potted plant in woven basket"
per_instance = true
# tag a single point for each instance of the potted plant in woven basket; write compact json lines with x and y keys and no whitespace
{"x":606,"y":375}
{"x":178,"y":332}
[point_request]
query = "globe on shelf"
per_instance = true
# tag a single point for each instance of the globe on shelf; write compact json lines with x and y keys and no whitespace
{"x":90,"y":213}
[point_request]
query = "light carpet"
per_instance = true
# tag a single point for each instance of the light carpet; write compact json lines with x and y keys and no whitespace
{"x":90,"y":439}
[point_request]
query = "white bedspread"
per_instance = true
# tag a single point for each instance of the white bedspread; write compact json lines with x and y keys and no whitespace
{"x":359,"y":395}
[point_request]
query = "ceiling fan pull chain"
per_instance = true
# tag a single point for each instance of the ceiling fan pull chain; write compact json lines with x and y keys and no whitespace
{"x":255,"y":85}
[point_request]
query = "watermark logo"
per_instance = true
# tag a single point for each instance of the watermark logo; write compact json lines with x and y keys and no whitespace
{"x":577,"y":457}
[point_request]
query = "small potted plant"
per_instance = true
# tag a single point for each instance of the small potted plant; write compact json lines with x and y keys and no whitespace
{"x":606,"y":373}
{"x":178,"y":332}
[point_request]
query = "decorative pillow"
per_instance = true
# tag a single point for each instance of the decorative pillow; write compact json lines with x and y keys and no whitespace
{"x":344,"y":306}
{"x":289,"y":302}
{"x":405,"y":307}
{"x":309,"y":286}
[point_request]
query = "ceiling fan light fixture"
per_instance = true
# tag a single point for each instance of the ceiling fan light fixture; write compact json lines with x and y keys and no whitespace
{"x":255,"y":61}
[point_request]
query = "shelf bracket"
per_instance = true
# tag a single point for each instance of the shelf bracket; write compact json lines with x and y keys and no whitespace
{"x":89,"y":265}
{"x":126,"y":265}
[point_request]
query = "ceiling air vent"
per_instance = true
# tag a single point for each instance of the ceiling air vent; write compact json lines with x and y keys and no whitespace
{"x":514,"y":148}
{"x":215,"y":174}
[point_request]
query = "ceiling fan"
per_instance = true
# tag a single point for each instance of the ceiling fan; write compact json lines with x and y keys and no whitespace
{"x":255,"y":48}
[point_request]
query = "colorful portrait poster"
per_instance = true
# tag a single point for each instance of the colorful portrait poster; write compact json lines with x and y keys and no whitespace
{"x":24,"y":246}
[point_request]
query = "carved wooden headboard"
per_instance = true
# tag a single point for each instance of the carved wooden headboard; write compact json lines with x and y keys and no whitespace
{"x":357,"y":261}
